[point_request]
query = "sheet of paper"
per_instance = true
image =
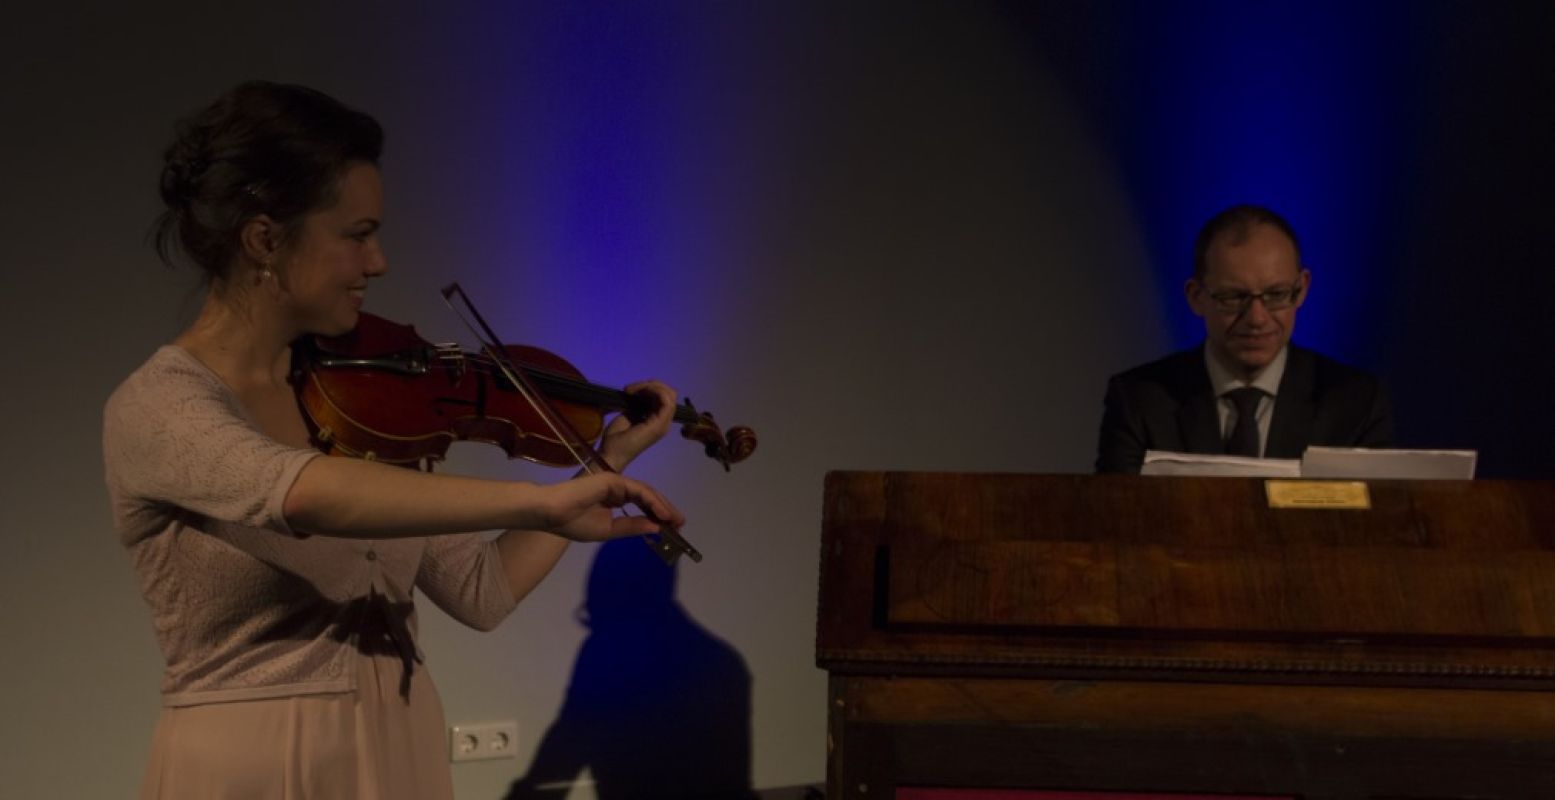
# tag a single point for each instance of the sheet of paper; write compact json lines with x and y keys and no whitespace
{"x":1361,"y":463}
{"x":1163,"y":462}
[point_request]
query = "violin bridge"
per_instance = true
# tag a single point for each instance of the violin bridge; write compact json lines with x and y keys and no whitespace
{"x":448,"y":354}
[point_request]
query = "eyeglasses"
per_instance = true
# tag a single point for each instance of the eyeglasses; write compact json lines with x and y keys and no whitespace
{"x":1278,"y":298}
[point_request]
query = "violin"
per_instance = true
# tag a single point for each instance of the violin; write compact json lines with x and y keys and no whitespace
{"x":382,"y":393}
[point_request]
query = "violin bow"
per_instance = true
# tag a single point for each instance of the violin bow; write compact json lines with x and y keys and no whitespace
{"x":668,"y":543}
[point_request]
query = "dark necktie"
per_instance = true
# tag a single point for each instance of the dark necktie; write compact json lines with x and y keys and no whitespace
{"x":1244,"y":435}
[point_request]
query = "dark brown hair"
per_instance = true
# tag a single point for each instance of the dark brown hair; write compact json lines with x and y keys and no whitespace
{"x":1236,"y":222}
{"x":260,"y":148}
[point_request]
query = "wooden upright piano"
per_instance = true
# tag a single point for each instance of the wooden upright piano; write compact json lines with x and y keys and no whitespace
{"x":1067,"y":636}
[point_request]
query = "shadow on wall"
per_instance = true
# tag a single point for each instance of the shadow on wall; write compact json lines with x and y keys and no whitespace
{"x":657,"y":706}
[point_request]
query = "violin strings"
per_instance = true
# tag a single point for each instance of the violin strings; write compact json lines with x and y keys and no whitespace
{"x":577,"y":391}
{"x":552,"y":420}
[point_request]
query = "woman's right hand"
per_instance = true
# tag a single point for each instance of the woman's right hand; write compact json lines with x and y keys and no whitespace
{"x":582,"y":509}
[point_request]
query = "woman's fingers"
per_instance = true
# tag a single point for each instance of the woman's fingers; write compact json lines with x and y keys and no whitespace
{"x":584,"y":507}
{"x":667,"y":397}
{"x":625,"y":440}
{"x":653,"y":504}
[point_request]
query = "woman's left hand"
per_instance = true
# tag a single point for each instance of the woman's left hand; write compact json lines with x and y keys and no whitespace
{"x":625,"y":440}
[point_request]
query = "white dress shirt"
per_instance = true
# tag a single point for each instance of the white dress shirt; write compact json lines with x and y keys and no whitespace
{"x":1223,"y":381}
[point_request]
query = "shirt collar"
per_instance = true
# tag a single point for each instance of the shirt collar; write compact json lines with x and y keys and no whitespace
{"x":1222,"y":380}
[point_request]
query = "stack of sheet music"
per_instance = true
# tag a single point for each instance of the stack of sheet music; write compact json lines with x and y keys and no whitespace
{"x":1322,"y":462}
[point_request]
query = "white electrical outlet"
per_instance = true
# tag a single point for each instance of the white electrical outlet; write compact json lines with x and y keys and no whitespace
{"x":482,"y":740}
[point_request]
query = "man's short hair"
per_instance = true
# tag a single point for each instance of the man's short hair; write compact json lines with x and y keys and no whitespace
{"x":1237,"y":222}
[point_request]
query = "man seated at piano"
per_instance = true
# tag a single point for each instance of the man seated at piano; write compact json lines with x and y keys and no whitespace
{"x":1245,"y":390}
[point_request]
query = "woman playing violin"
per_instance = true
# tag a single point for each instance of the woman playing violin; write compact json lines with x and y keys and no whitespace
{"x":280,"y":581}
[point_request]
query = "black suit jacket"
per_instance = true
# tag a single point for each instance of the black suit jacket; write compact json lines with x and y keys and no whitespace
{"x":1170,"y":405}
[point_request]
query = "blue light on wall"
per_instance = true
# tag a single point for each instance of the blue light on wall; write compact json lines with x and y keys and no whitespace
{"x":1299,"y":107}
{"x":602,"y":158}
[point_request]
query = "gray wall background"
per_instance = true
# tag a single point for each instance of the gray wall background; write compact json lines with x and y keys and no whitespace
{"x":934,"y":268}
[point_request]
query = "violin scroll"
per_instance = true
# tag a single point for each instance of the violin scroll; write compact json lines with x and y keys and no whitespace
{"x":725,"y":447}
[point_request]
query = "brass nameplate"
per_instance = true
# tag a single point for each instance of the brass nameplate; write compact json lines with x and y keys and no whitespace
{"x":1317,"y":494}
